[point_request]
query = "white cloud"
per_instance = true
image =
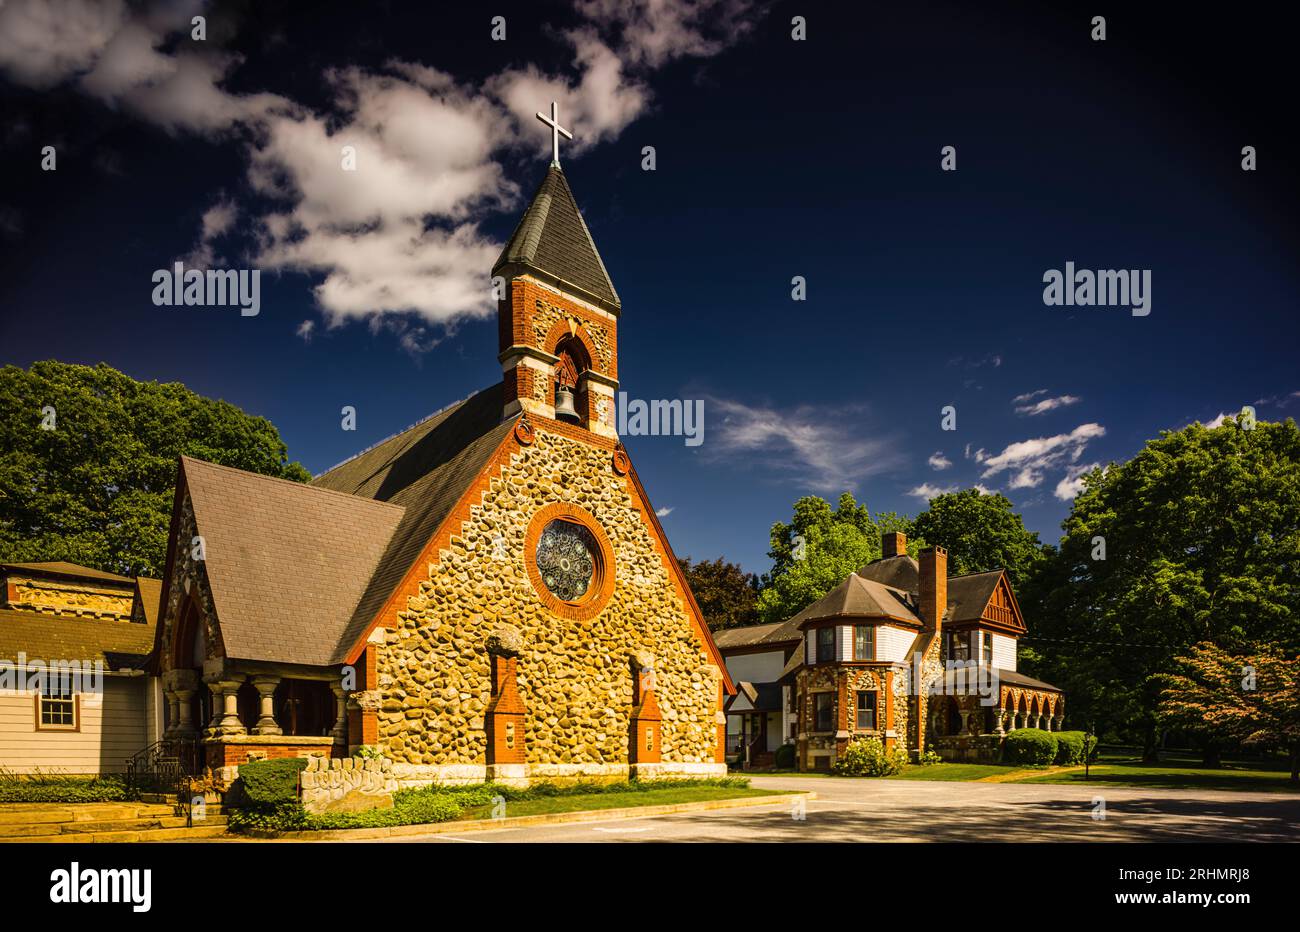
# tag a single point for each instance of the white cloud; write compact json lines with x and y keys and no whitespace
{"x":218,"y":220}
{"x":1072,"y":484}
{"x":820,"y":448}
{"x":938,"y":461}
{"x":1026,"y":406}
{"x":45,"y":42}
{"x":1218,"y":419}
{"x":664,"y":512}
{"x":306,"y":330}
{"x":925,"y":491}
{"x":1028,"y":460}
{"x":401,"y":234}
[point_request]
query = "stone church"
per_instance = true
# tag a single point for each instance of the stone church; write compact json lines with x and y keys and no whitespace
{"x":486,"y":595}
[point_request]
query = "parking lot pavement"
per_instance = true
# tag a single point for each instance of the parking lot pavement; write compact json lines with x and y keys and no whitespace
{"x":911,"y":810}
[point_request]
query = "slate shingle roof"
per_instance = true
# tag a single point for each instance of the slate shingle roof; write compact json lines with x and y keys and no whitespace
{"x":967,"y":595}
{"x":552,"y":238}
{"x":70,"y":570}
{"x":861,"y":598}
{"x":286,"y":562}
{"x":425,"y":470}
{"x":42,"y":636}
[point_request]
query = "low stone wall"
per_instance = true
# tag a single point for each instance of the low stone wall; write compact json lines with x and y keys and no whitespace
{"x":411,"y":776}
{"x":347,"y":784}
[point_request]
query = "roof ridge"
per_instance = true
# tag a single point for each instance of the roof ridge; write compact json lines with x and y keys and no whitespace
{"x":300,"y":485}
{"x":379,"y":443}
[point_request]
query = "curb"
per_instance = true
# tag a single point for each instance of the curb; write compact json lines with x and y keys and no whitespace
{"x":494,"y":825}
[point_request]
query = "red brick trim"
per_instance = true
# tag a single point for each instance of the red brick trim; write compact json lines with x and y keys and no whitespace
{"x":602,"y":583}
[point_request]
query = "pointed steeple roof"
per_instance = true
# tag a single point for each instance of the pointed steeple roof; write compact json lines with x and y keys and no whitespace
{"x":553,"y":242}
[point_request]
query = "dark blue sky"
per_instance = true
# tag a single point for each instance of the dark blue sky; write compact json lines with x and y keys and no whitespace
{"x":775,"y":159}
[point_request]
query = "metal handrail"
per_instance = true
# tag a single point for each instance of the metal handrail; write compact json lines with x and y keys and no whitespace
{"x":166,"y":766}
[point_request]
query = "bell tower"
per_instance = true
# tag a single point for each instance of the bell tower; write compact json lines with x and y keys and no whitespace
{"x":557,"y":311}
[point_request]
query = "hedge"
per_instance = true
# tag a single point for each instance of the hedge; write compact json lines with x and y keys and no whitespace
{"x":1030,"y":746}
{"x":269,"y":783}
{"x":1069,"y":746}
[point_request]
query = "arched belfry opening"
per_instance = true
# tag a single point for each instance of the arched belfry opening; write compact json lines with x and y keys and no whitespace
{"x":573,"y":361}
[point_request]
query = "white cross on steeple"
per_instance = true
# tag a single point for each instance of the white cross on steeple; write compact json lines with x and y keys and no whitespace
{"x":553,"y":121}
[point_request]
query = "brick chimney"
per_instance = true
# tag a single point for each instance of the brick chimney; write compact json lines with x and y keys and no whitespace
{"x":894,"y":544}
{"x":933,"y":586}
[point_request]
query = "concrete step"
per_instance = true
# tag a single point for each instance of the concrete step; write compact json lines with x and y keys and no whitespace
{"x":32,"y":813}
{"x":133,"y":825}
{"x":178,"y":833}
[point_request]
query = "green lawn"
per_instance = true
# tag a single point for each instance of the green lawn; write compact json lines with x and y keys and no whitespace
{"x":586,"y":801}
{"x":1179,"y":776}
{"x":943,"y":772}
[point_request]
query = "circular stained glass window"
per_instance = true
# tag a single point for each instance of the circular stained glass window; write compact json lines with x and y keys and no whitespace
{"x":567,"y":556}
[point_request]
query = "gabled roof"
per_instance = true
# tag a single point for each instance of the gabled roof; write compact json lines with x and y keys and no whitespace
{"x":286,"y":562}
{"x":967,"y":595}
{"x":552,"y":238}
{"x":861,"y":598}
{"x":148,"y":593}
{"x":42,"y":636}
{"x":68,"y":570}
{"x":426,"y":470}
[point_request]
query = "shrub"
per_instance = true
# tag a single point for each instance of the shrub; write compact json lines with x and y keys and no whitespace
{"x":1030,"y":746}
{"x":41,"y":787}
{"x":1069,"y":746}
{"x":930,"y":756}
{"x":267,"y":784}
{"x":866,"y":757}
{"x":785,"y":757}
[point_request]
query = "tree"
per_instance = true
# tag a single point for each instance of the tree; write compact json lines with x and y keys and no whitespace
{"x":88,"y":462}
{"x":727,"y":595}
{"x":981,"y":532}
{"x":1253,"y":698}
{"x":814,"y":552}
{"x":1197,"y":538}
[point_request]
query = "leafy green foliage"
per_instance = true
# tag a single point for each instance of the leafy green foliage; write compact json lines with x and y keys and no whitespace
{"x":981,"y":532}
{"x":727,"y":595}
{"x":1069,"y":746}
{"x":1030,"y":746}
{"x":866,"y":757}
{"x":98,"y":488}
{"x":814,"y":552}
{"x":270,"y":783}
{"x":57,"y":788}
{"x":785,"y":757}
{"x":1202,"y":544}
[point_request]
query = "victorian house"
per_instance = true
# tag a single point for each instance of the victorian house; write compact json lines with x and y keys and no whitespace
{"x":900,"y":651}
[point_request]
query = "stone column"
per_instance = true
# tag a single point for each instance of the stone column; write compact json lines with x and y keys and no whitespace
{"x":213,"y":726}
{"x":266,"y":723}
{"x":965,"y":723}
{"x":1060,"y":722}
{"x":184,"y":726}
{"x":998,"y":715}
{"x":173,"y":712}
{"x":230,"y":723}
{"x":340,"y":731}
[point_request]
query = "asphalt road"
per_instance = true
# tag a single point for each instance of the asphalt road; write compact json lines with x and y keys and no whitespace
{"x":914,"y":810}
